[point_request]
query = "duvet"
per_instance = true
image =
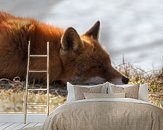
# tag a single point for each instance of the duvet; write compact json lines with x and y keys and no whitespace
{"x":105,"y":114}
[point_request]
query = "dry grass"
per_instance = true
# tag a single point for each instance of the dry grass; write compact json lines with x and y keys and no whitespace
{"x":11,"y":100}
{"x":153,"y":78}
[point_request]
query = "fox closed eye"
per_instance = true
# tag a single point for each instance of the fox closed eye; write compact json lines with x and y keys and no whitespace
{"x":99,"y":66}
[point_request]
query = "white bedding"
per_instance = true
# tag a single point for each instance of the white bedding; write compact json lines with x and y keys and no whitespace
{"x":105,"y":114}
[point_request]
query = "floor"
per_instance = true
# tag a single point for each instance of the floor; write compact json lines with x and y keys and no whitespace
{"x":17,"y":126}
{"x":14,"y":121}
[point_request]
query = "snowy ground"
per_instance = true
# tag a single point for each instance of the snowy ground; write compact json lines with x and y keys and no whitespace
{"x":133,"y":28}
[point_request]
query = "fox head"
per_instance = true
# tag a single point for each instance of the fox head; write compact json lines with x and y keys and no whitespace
{"x":85,"y":61}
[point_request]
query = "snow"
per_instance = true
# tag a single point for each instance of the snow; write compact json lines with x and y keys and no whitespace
{"x":133,"y":28}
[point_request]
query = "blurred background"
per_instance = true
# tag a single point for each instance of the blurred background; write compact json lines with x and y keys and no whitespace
{"x":132,"y":29}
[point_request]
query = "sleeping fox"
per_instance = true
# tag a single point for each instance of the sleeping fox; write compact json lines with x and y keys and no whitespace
{"x":75,"y":58}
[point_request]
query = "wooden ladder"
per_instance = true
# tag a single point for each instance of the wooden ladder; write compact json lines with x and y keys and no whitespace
{"x":26,"y":104}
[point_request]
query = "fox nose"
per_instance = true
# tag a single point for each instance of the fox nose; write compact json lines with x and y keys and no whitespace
{"x":125,"y":80}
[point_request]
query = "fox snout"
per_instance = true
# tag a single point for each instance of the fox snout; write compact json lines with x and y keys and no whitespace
{"x":125,"y":80}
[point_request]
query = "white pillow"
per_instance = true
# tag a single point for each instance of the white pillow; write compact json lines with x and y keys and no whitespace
{"x":143,"y":92}
{"x":71,"y":92}
{"x":132,"y":91}
{"x":103,"y":95}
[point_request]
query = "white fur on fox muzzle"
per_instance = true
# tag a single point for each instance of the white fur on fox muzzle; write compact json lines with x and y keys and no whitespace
{"x":95,"y":80}
{"x":117,"y":81}
{"x":90,"y":81}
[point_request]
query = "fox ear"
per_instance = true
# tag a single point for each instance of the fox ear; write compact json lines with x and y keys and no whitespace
{"x":70,"y":40}
{"x":94,"y":31}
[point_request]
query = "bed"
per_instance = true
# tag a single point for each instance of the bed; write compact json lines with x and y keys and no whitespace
{"x":96,"y":113}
